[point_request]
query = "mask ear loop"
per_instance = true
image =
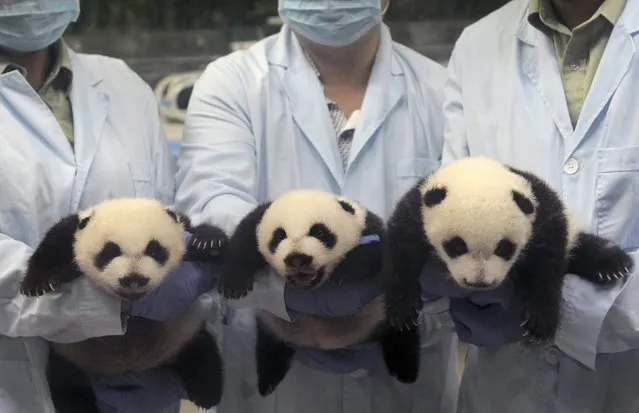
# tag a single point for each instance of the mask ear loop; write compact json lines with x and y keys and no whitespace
{"x":385,"y":8}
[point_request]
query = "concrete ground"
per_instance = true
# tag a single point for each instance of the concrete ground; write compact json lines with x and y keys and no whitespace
{"x":189,"y":408}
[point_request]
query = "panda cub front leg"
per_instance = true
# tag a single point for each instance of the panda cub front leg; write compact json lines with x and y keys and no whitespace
{"x":242,"y":258}
{"x":598,"y":260}
{"x":538,"y":283}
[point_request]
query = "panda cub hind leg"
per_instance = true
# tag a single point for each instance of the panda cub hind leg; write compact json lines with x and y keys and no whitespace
{"x":199,"y":366}
{"x":598,"y":260}
{"x":273,"y":359}
{"x":400,"y":349}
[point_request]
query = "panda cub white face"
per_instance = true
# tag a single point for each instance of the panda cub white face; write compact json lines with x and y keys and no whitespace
{"x":479,"y":216}
{"x":305,"y":234}
{"x":128,"y":246}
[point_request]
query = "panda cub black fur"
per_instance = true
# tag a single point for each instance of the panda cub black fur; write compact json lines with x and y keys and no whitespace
{"x":311,"y":237}
{"x":128,"y":247}
{"x":487,"y":221}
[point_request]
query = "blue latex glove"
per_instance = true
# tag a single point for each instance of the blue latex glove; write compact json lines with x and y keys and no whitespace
{"x":332,"y":300}
{"x":484,"y":318}
{"x":150,"y":391}
{"x":179,"y":290}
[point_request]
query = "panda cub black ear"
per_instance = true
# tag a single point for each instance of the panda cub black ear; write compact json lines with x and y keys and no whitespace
{"x":523,"y":203}
{"x":180,"y":219}
{"x":84,"y":222}
{"x":347,"y":207}
{"x":434,"y":196}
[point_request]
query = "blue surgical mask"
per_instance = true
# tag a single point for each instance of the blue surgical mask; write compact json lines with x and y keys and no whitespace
{"x":30,"y":25}
{"x":333,"y":23}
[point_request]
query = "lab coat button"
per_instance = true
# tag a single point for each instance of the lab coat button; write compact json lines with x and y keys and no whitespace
{"x":571,"y":166}
{"x":552,"y":356}
{"x":575,"y":66}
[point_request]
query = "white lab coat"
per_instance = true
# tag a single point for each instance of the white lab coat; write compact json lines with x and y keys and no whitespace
{"x":505,"y":100}
{"x":120,"y":151}
{"x":258,"y":126}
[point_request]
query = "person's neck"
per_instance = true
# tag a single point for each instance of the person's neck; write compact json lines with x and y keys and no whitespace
{"x":572,"y":13}
{"x":349,"y":65}
{"x":35,"y":63}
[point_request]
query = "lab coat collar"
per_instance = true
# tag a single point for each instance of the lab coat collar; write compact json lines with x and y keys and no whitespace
{"x":307,"y":100}
{"x":90,"y":104}
{"x":538,"y":61}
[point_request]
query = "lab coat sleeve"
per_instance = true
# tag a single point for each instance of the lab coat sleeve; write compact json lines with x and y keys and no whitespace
{"x":620,"y":330}
{"x":75,"y":312}
{"x":455,"y":135}
{"x":217,"y":176}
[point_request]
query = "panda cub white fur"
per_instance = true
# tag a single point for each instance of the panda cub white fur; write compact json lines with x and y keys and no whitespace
{"x":127,"y":247}
{"x":312,"y":237}
{"x":486,"y":222}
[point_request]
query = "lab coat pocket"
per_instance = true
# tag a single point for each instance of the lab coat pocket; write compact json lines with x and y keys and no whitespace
{"x":618,"y":195}
{"x":409,"y":171}
{"x":18,"y":391}
{"x":142,"y":182}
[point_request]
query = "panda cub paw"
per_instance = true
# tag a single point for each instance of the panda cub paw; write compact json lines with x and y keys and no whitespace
{"x":403,"y":305}
{"x":538,"y":328}
{"x":611,"y":264}
{"x":206,"y":244}
{"x":599,"y":260}
{"x":234,"y":283}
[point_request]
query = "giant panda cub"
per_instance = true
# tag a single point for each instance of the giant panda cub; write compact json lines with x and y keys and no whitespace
{"x":487,"y":222}
{"x":127,"y":247}
{"x":312,"y":237}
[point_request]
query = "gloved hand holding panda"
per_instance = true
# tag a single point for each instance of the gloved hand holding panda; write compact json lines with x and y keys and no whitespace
{"x":129,"y":248}
{"x":312,"y":238}
{"x":493,"y":227}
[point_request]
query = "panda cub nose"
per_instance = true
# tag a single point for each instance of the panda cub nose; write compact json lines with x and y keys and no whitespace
{"x":297,"y":260}
{"x":133,"y":281}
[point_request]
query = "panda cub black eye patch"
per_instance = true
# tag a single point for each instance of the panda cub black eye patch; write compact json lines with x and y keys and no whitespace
{"x":279,"y":235}
{"x":156,"y":251}
{"x":455,"y":247}
{"x":505,"y":249}
{"x":109,"y":252}
{"x":323,"y":234}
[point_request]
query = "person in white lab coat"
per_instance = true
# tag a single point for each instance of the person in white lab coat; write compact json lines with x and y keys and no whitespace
{"x":552,"y":86}
{"x":329,"y":102}
{"x":75,"y":130}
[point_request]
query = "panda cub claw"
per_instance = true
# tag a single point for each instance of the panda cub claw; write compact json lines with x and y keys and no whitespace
{"x":535,"y":331}
{"x":206,"y":244}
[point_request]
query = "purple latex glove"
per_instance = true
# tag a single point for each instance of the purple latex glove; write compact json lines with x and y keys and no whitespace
{"x":333,"y":300}
{"x":150,"y":391}
{"x":483,"y":318}
{"x":179,"y":290}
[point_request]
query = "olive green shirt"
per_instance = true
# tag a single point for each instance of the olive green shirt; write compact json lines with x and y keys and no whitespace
{"x":578,"y":51}
{"x":56,"y":88}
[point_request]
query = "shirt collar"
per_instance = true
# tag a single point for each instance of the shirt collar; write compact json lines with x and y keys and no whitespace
{"x":542,"y":15}
{"x":61,"y":75}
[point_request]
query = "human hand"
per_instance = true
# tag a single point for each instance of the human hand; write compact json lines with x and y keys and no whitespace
{"x":179,"y":290}
{"x":149,"y":391}
{"x":331,"y":299}
{"x":482,"y":318}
